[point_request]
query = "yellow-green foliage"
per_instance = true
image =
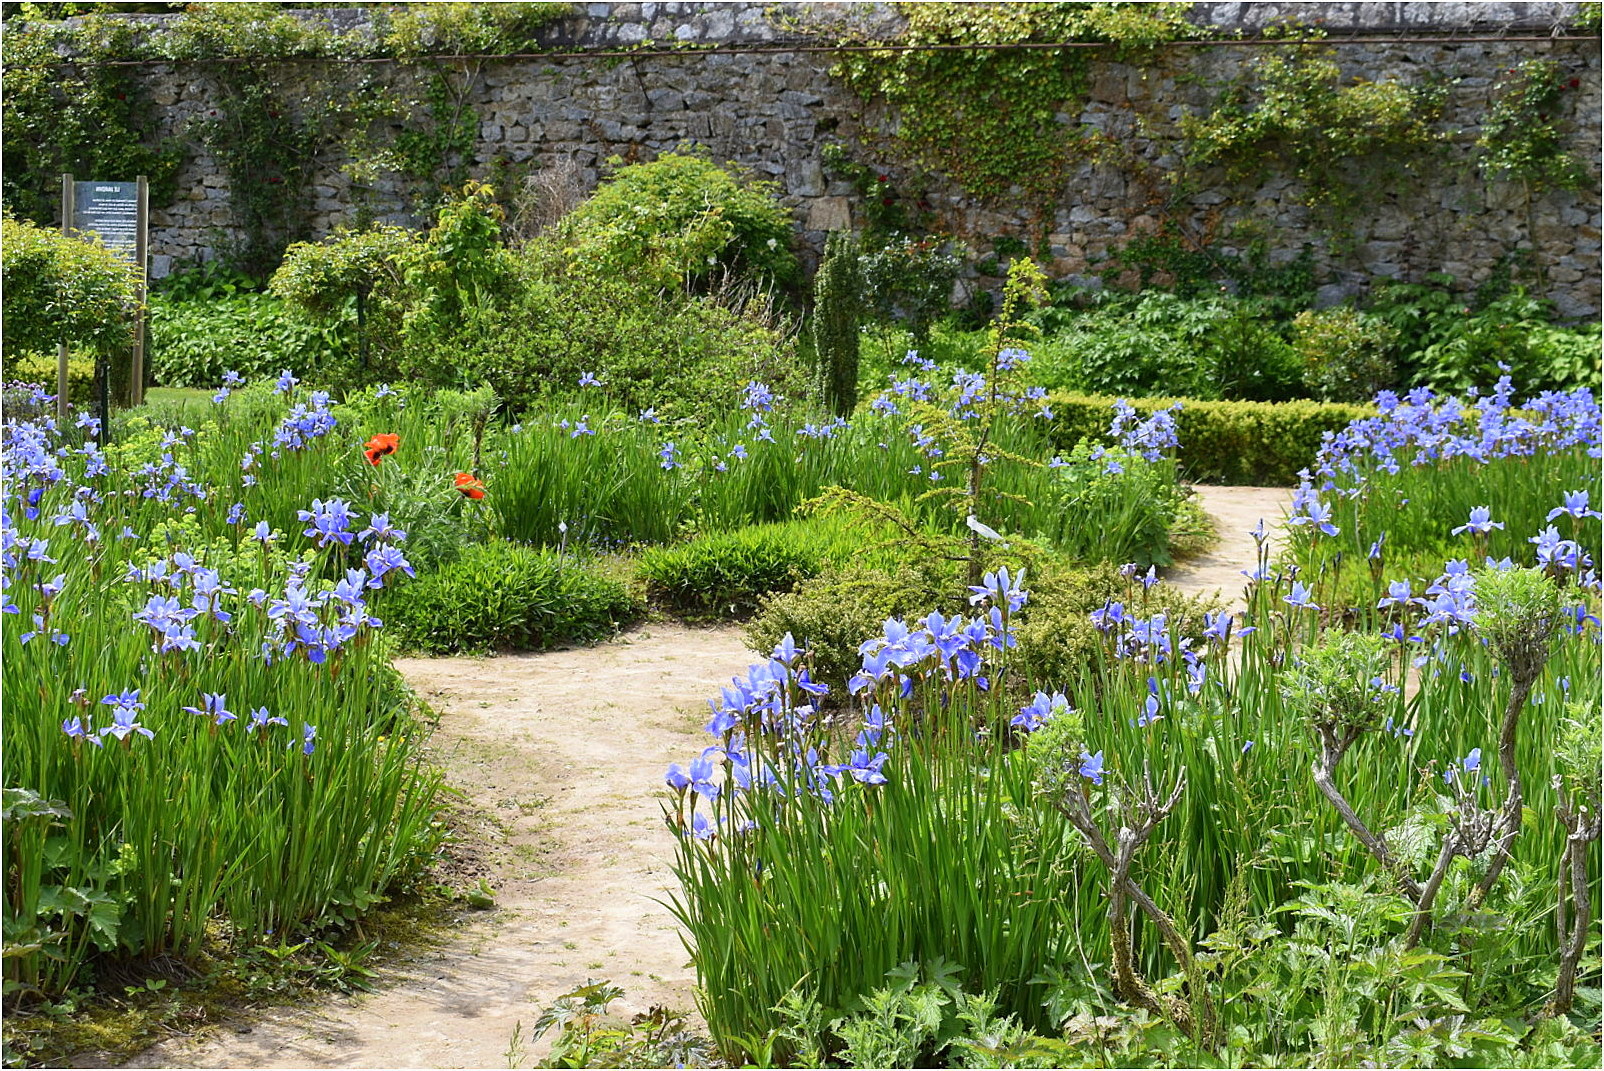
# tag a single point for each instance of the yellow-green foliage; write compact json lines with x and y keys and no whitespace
{"x":40,"y":368}
{"x":61,"y":289}
{"x":679,"y":217}
{"x":1261,"y":443}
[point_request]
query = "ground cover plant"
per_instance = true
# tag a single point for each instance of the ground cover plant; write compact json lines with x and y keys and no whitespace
{"x":1286,"y":840}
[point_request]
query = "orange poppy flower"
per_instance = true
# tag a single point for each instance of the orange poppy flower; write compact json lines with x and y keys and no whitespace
{"x":380,"y":445}
{"x":469,"y":485}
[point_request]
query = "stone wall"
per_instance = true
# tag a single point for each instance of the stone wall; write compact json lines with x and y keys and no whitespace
{"x":775,"y":110}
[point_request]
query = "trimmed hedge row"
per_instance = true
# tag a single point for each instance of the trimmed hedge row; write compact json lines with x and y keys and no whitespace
{"x":1255,"y":443}
{"x":501,"y":596}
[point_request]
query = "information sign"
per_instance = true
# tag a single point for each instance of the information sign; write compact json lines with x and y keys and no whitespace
{"x":110,"y":211}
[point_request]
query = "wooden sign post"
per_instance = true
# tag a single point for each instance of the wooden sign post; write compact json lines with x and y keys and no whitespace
{"x":117,"y":213}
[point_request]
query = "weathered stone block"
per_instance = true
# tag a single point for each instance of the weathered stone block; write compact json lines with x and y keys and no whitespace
{"x":829,"y":214}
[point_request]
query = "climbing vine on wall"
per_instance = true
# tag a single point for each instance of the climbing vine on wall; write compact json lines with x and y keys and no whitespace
{"x":995,"y":119}
{"x":1522,"y":139}
{"x":90,"y":120}
{"x":270,"y":120}
{"x":1293,"y":113}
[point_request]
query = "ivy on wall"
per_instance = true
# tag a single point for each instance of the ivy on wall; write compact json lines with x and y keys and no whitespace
{"x":1293,"y":113}
{"x":91,"y":121}
{"x":991,"y":119}
{"x":270,"y":121}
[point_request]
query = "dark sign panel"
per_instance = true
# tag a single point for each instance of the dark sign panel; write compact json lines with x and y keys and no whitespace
{"x":109,"y":210}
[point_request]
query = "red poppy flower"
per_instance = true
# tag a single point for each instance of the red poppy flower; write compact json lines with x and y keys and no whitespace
{"x":380,"y":445}
{"x":470,"y":486}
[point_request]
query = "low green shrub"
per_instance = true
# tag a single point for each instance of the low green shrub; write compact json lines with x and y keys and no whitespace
{"x":909,"y":281}
{"x":1260,"y":443}
{"x":505,"y":595}
{"x":424,"y":297}
{"x":1451,"y":341}
{"x":192,"y":343}
{"x":676,"y":353}
{"x":456,"y":308}
{"x":1157,"y":342}
{"x":832,"y":613}
{"x":1058,"y":644}
{"x":40,"y":369}
{"x":727,"y":574}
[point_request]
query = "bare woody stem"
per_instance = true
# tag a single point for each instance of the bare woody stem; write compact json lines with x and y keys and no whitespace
{"x":1510,"y":819}
{"x":1332,"y":749}
{"x":1573,"y":926}
{"x":1137,"y":827}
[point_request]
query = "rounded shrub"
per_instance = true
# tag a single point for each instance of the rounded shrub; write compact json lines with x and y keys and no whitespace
{"x":63,"y":289}
{"x":681,"y":217}
{"x":1057,"y":643}
{"x":1344,"y":354}
{"x":508,"y":596}
{"x":831,"y":614}
{"x":679,"y":354}
{"x":726,"y":574}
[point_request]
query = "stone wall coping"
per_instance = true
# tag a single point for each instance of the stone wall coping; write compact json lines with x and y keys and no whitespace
{"x":707,"y":22}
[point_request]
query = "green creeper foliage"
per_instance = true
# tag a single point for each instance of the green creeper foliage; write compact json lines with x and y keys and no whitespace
{"x":990,"y":118}
{"x":1295,"y":114}
{"x":837,"y":304}
{"x":1522,"y":137}
{"x":92,"y":121}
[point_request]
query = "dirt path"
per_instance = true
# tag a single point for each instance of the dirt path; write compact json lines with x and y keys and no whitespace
{"x":1235,"y":510}
{"x":564,"y":749}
